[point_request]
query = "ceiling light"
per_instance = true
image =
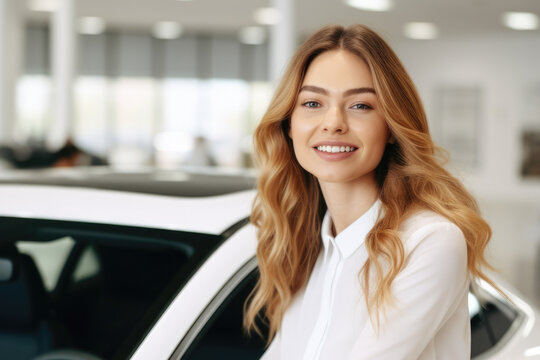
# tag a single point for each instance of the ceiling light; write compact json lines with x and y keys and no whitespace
{"x":520,"y":20}
{"x":421,"y":30}
{"x":167,"y":30}
{"x":252,"y":35}
{"x":43,"y":5}
{"x":267,"y":16}
{"x":370,"y":5}
{"x":91,"y":25}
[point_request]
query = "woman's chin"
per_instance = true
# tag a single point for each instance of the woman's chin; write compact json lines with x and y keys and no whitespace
{"x":334,"y":177}
{"x":345,"y":177}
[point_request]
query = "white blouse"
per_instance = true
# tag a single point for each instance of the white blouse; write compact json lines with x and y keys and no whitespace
{"x":328,"y":318}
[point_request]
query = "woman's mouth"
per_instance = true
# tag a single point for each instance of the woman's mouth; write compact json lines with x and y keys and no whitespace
{"x":335,"y":152}
{"x":335,"y":149}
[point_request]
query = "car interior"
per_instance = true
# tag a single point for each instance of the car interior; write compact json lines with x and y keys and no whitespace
{"x":115,"y":297}
{"x":26,"y":329}
{"x":111,"y":287}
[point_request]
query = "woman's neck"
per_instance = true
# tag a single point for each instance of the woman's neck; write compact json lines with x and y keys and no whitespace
{"x":348,"y":201}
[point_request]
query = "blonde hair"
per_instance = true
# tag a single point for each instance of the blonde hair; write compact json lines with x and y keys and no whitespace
{"x":289,"y":206}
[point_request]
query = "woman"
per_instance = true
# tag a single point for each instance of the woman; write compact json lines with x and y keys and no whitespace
{"x":366,"y":243}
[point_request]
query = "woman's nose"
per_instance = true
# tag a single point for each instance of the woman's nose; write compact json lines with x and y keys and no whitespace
{"x":334,"y":121}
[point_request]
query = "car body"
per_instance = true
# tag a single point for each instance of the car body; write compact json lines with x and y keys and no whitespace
{"x":157,"y":265}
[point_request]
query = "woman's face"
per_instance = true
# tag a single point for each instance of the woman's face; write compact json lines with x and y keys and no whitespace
{"x":337,"y":129}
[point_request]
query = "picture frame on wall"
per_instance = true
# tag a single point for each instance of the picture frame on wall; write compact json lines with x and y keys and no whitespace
{"x":530,"y":153}
{"x":530,"y":133}
{"x":457,"y":121}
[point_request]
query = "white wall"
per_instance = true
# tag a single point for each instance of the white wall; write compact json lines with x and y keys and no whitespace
{"x":503,"y":67}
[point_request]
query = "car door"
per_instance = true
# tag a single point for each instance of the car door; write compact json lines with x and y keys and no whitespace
{"x":218,"y":332}
{"x":186,"y":316}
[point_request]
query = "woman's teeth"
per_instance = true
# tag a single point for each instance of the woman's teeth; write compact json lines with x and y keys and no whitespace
{"x":335,"y":149}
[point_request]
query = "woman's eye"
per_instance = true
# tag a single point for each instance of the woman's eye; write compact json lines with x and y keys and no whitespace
{"x":361,"y":107}
{"x":311,"y":104}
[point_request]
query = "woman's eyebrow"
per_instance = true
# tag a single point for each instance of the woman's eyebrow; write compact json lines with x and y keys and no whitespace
{"x":320,"y":90}
{"x":314,"y":89}
{"x":360,"y":90}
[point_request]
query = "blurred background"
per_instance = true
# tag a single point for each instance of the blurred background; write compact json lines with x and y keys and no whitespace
{"x":168,"y":83}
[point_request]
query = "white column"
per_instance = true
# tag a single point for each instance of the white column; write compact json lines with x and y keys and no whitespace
{"x":11,"y":60}
{"x":63,"y":52}
{"x":282,"y":39}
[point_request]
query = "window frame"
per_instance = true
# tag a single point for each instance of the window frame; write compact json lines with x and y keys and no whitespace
{"x":221,"y":296}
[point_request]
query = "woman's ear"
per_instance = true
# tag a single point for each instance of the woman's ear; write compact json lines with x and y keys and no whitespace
{"x":391,"y":139}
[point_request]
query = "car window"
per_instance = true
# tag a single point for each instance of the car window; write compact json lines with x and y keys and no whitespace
{"x":491,"y":320}
{"x":120,"y":288}
{"x":222,"y":337}
{"x":93,"y":288}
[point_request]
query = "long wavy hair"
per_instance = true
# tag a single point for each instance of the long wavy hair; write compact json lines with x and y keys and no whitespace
{"x":289,"y":207}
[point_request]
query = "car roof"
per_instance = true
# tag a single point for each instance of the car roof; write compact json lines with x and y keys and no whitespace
{"x":185,"y":182}
{"x":193,"y":200}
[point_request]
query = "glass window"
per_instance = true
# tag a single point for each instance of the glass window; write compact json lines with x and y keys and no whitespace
{"x":223,"y":336}
{"x":180,"y":106}
{"x":205,"y":121}
{"x":107,"y":284}
{"x":92,"y":129}
{"x":260,"y":95}
{"x":33,"y":107}
{"x":134,"y":112}
{"x":224,"y":110}
{"x":144,"y":100}
{"x":490,"y":321}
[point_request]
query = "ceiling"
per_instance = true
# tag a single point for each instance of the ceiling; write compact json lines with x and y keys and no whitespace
{"x":453,"y":17}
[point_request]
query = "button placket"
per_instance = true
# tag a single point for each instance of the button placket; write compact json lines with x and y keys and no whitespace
{"x":320,"y":331}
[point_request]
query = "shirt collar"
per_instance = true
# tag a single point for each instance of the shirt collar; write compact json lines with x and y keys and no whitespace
{"x":352,"y":237}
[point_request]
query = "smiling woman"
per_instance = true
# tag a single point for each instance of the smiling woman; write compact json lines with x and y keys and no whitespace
{"x":340,"y":111}
{"x":366,"y":243}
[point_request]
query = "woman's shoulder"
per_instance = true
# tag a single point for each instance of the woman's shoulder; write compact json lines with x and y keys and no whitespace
{"x":420,"y":217}
{"x":428,"y":229}
{"x":435,"y":251}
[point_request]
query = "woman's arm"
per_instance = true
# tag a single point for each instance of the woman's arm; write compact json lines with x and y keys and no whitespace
{"x":426,"y":292}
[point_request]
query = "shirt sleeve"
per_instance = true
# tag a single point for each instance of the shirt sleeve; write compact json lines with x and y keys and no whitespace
{"x":272,"y":353}
{"x":426,"y":293}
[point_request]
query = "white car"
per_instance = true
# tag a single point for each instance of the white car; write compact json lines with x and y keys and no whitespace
{"x":96,"y":264}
